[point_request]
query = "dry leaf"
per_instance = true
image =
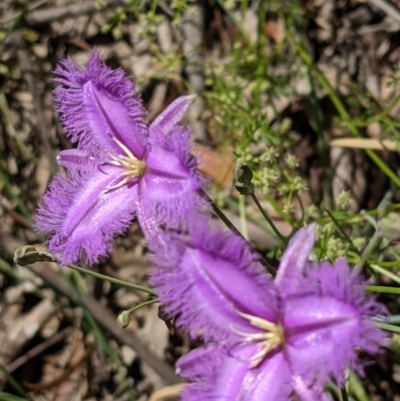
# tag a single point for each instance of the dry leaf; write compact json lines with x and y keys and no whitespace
{"x":365,"y":143}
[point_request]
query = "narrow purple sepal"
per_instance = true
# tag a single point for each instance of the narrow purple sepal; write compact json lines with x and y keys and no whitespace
{"x":294,"y":259}
{"x":96,"y":104}
{"x":172,"y":114}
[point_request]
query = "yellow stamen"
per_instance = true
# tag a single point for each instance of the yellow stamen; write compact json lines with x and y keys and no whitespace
{"x":271,"y":337}
{"x":133,"y":166}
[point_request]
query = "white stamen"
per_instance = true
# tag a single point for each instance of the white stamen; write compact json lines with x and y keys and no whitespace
{"x":271,"y":336}
{"x":133,"y":167}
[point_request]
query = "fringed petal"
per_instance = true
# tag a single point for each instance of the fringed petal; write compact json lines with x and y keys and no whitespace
{"x":316,"y":329}
{"x":171,"y":184}
{"x":80,"y":215}
{"x":207,"y":282}
{"x":172,"y":114}
{"x":324,"y":327}
{"x":294,"y":260}
{"x":307,"y":392}
{"x":200,"y":364}
{"x":218,"y":376}
{"x":98,"y":104}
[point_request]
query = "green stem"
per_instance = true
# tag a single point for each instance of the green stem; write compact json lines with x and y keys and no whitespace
{"x":231,"y":227}
{"x":393,"y":319}
{"x":356,"y":387}
{"x":340,"y":228}
{"x":113,"y":280}
{"x":142,"y":305}
{"x":369,"y":249}
{"x":14,"y":383}
{"x":385,"y":272}
{"x":382,"y":115}
{"x":222,"y":216}
{"x":343,"y":394}
{"x":277,"y":208}
{"x":242,"y":214}
{"x":387,"y":327}
{"x":266,"y":217}
{"x":383,"y":289}
{"x":250,"y":216}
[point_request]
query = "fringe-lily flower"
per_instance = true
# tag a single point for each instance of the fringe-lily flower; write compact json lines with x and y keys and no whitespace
{"x":121,"y":168}
{"x":266,"y":340}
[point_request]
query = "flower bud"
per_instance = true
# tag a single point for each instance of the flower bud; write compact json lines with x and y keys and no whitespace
{"x":28,"y":254}
{"x":244,"y":175}
{"x":123,"y":319}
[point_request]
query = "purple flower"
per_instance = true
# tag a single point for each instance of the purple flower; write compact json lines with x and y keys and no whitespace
{"x":121,"y":168}
{"x":266,"y":339}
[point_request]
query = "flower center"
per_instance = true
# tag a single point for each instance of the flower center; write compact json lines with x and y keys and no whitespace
{"x":133,"y":167}
{"x":271,"y":336}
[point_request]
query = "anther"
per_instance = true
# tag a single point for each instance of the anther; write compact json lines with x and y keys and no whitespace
{"x":134,"y":168}
{"x":272,"y":336}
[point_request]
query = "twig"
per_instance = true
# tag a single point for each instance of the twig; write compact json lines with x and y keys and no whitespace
{"x":71,"y":10}
{"x":58,"y":379}
{"x":37,"y":350}
{"x":388,"y":8}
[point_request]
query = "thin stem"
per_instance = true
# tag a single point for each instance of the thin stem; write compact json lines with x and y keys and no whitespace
{"x":270,"y":222}
{"x":142,"y":305}
{"x":383,"y":289}
{"x":383,"y":271}
{"x":222,"y":216}
{"x":387,"y":327}
{"x":357,"y":388}
{"x":242,"y":214}
{"x":277,"y":208}
{"x":231,"y":227}
{"x":369,"y":249}
{"x":250,"y":216}
{"x":343,"y":394}
{"x":14,"y":383}
{"x":113,"y":280}
{"x":393,"y":319}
